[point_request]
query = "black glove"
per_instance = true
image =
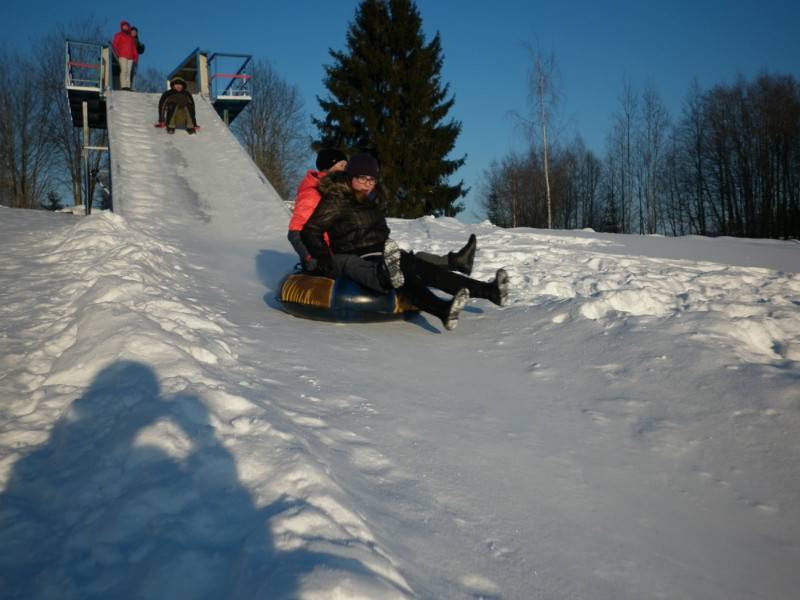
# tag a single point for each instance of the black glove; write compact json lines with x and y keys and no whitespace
{"x":310,"y":264}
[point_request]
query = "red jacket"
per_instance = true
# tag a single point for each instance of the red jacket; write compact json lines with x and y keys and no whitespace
{"x":124,"y":44}
{"x":306,"y":201}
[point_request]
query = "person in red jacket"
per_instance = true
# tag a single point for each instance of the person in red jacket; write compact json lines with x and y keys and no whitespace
{"x":124,"y":47}
{"x":330,"y":160}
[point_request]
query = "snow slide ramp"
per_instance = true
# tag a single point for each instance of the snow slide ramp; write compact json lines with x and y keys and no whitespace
{"x":180,"y":186}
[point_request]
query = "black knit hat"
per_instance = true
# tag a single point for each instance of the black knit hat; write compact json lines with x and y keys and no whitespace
{"x":363,"y":164}
{"x":328,"y":157}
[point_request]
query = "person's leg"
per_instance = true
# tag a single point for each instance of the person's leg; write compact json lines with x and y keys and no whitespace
{"x":169,"y":113}
{"x":125,"y":73}
{"x":415,"y":291}
{"x":181,"y":117}
{"x":434,"y":259}
{"x":188,"y":122}
{"x":461,"y":260}
{"x":363,"y":271}
{"x":447,"y":281}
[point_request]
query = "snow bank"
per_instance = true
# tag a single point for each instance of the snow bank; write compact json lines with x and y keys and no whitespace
{"x":753,"y":311}
{"x":130,"y":466}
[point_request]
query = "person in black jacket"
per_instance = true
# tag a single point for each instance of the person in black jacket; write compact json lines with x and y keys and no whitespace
{"x":176,"y":107}
{"x":139,"y":52}
{"x":351,"y":212}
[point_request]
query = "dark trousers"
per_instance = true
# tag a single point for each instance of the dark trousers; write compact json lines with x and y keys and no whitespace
{"x":434,"y":259}
{"x":421,"y":275}
{"x":434,"y":274}
{"x":179,"y":115}
{"x":360,"y":270}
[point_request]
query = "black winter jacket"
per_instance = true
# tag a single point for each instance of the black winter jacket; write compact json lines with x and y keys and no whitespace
{"x":176,"y":98}
{"x":353,"y":227}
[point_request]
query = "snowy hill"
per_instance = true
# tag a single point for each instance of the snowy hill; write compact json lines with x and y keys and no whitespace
{"x":626,"y":428}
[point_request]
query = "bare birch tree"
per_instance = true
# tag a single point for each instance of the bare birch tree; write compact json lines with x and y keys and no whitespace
{"x":625,"y":135}
{"x":653,"y":136}
{"x":543,"y":94}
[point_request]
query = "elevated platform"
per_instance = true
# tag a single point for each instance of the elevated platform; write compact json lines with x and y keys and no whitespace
{"x":221,"y":77}
{"x":87,"y":73}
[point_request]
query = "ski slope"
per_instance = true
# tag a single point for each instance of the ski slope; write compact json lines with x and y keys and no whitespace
{"x":626,"y":428}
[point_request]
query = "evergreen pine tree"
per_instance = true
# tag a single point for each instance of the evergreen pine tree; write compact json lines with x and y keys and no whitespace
{"x":386,"y":98}
{"x":53,"y":201}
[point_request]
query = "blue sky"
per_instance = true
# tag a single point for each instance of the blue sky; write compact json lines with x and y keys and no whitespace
{"x":598,"y":46}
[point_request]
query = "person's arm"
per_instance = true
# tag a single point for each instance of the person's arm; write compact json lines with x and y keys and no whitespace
{"x":115,"y":45}
{"x":304,"y":206}
{"x":139,"y":46}
{"x":161,"y":101}
{"x":296,"y":240}
{"x":327,"y":213}
{"x":191,"y":108}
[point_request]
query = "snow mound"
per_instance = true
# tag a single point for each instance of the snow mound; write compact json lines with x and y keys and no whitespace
{"x":129,"y":465}
{"x":753,"y":311}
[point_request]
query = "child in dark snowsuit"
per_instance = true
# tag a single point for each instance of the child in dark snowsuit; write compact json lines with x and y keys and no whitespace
{"x":176,"y":107}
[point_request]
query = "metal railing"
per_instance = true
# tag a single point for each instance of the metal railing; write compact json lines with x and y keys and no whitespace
{"x":86,"y":80}
{"x":229,"y":77}
{"x":84,"y":68}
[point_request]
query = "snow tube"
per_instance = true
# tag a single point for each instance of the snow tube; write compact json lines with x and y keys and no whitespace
{"x":326,"y":299}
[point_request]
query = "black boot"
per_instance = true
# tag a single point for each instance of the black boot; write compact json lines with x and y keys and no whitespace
{"x":498,"y":291}
{"x":457,"y":304}
{"x":463,"y":259}
{"x":416,"y":292}
{"x":391,"y":263}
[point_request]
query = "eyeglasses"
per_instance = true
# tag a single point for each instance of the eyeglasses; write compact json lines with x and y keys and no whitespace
{"x":365,"y":179}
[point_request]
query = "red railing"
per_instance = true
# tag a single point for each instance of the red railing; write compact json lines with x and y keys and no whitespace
{"x":230,"y":76}
{"x":73,"y":63}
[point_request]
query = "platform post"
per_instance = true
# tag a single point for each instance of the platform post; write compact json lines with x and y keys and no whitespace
{"x":202,"y":74}
{"x":106,"y":69}
{"x":85,"y":106}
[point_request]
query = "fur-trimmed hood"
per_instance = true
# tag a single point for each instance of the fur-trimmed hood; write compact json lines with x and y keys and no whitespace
{"x":177,"y":79}
{"x":337,"y":185}
{"x":353,"y":226}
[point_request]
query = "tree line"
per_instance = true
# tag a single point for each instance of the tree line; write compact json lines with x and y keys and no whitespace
{"x":729,"y":164}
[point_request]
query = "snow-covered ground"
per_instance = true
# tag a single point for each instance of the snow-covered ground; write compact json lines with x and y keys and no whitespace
{"x":628,"y":427}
